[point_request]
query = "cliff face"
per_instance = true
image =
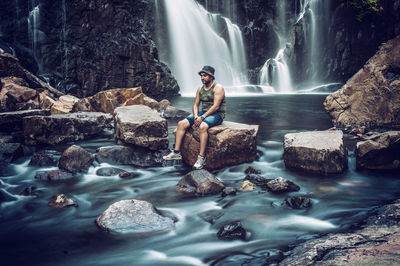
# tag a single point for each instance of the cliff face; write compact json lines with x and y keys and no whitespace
{"x":83,"y":47}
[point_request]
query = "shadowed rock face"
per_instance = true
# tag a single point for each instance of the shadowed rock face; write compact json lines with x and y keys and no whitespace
{"x":381,"y":151}
{"x":134,"y":217}
{"x":62,"y":128}
{"x":371,"y":98}
{"x":228,"y":144}
{"x":315,"y":151}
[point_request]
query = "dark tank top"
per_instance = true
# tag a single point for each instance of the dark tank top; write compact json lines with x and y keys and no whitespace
{"x":207,"y":100}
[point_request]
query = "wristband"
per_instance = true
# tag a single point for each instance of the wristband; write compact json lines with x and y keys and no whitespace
{"x":202,"y":117}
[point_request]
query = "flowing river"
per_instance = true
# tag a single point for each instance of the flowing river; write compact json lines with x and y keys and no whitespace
{"x":32,"y":233}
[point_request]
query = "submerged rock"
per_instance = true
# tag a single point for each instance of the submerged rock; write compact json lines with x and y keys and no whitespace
{"x":28,"y":191}
{"x":199,"y":182}
{"x":44,"y":158}
{"x":109,"y":171}
{"x":75,"y":159}
{"x":6,"y":196}
{"x":10,"y":151}
{"x":281,"y":185}
{"x":53,"y":175}
{"x":61,"y":201}
{"x":228,"y":144}
{"x":381,"y":151}
{"x":134,"y":217}
{"x":141,"y":126}
{"x":315,"y":151}
{"x":298,"y":202}
{"x":211,"y":216}
{"x":232,"y":231}
{"x":229,"y":191}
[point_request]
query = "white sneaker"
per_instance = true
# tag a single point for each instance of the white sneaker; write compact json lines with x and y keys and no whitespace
{"x":173,"y":156}
{"x":199,"y":163}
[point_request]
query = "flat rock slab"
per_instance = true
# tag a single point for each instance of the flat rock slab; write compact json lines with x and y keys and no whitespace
{"x":315,"y":151}
{"x":141,"y":126}
{"x":379,"y":152}
{"x":228,"y":144}
{"x":62,"y":128}
{"x":12,"y":121}
{"x":134,"y":217}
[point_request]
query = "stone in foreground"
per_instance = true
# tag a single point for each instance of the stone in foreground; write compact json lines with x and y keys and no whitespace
{"x":380,"y":151}
{"x":75,"y":159}
{"x":200,"y":182}
{"x":61,"y":201}
{"x":62,"y":128}
{"x":141,"y":126}
{"x":228,"y":144}
{"x":315,"y":151}
{"x":134,"y":217}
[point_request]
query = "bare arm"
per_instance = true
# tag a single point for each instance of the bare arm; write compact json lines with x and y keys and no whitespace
{"x":196,"y":104}
{"x":219,"y":94}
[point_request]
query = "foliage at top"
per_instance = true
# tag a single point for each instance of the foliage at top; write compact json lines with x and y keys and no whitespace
{"x":365,"y":7}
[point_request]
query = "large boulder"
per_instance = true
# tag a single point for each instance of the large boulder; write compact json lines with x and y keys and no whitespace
{"x":134,"y":217}
{"x":107,"y":101}
{"x":200,"y":182}
{"x":130,"y":155}
{"x":16,"y":95}
{"x":141,"y":126}
{"x":228,"y":144}
{"x":381,"y":151}
{"x":315,"y":151}
{"x":371,"y":98}
{"x":62,"y":128}
{"x":12,"y":121}
{"x":10,"y":151}
{"x":75,"y":159}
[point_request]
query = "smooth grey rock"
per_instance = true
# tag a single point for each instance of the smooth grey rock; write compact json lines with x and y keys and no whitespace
{"x":199,"y":182}
{"x":315,"y":151}
{"x":281,"y":185}
{"x":381,"y":151}
{"x":134,"y":217}
{"x":141,"y":126}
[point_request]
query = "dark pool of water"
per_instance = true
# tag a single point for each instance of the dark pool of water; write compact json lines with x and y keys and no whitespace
{"x":32,"y":233}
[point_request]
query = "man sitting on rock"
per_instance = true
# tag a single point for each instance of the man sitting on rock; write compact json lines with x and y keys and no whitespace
{"x":212,"y":98}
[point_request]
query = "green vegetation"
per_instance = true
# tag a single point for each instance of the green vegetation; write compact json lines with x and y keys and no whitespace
{"x":366,"y":7}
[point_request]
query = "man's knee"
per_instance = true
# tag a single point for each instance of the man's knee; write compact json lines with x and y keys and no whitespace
{"x":183,"y":124}
{"x":203,"y":127}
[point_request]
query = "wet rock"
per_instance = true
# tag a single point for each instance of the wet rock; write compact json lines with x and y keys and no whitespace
{"x":5,"y":196}
{"x":28,"y":191}
{"x":247,"y":186}
{"x":12,"y":121}
{"x":228,"y":144}
{"x":10,"y":151}
{"x":63,"y":128}
{"x":199,"y":182}
{"x":61,"y":201}
{"x":141,"y":126}
{"x":53,"y":175}
{"x":107,"y":101}
{"x":381,"y":151}
{"x":44,"y":158}
{"x":375,"y":244}
{"x":64,"y":104}
{"x":109,"y":171}
{"x":281,"y":185}
{"x":75,"y":159}
{"x":298,"y":202}
{"x":251,"y":170}
{"x":46,"y":101}
{"x":6,"y":139}
{"x":260,"y":257}
{"x":211,"y":216}
{"x":134,"y":217}
{"x":130,"y":155}
{"x":315,"y":151}
{"x":229,"y":191}
{"x":171,"y":112}
{"x":125,"y":174}
{"x":232,"y":231}
{"x":258,"y":180}
{"x":371,"y":98}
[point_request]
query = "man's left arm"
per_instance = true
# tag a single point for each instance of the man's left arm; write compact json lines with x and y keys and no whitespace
{"x":219,"y":94}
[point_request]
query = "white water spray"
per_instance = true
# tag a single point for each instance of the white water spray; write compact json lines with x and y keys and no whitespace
{"x":195,"y":40}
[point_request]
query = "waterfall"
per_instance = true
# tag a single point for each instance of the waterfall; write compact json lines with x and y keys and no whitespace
{"x":64,"y":37}
{"x":198,"y":38}
{"x":275,"y":73}
{"x":34,"y":31}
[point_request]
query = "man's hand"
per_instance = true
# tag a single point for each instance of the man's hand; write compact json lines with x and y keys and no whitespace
{"x":197,"y":121}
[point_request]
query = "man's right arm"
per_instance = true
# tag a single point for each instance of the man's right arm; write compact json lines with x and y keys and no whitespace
{"x":196,"y":104}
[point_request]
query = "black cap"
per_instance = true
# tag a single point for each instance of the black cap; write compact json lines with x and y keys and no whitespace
{"x":209,"y":70}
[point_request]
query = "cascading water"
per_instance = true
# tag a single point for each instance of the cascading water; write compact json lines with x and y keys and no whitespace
{"x":34,"y":31}
{"x":195,"y":40}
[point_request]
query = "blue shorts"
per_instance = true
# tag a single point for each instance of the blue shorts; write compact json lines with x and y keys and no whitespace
{"x":211,"y":120}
